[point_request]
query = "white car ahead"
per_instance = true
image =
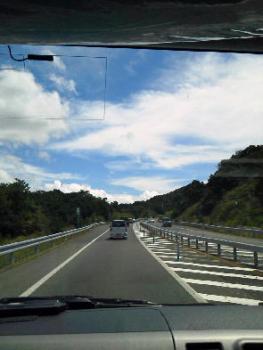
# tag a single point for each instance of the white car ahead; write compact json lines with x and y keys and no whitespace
{"x":119,"y":229}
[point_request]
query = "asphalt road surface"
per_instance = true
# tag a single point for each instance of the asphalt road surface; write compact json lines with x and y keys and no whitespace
{"x":92,"y":264}
{"x":213,"y":234}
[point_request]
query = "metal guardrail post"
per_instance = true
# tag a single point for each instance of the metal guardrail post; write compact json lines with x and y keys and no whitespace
{"x":177,"y":248}
{"x":12,"y":258}
{"x":235,"y":253}
{"x":196,"y":243}
{"x":218,"y":249}
{"x":188,"y":242}
{"x":36,"y":249}
{"x":256,"y":259}
{"x":206,"y":246}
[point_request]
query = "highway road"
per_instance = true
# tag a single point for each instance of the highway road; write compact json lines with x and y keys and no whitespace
{"x":216,"y":279}
{"x":244,"y":257}
{"x":137,"y":268}
{"x":92,"y":264}
{"x":213,"y":234}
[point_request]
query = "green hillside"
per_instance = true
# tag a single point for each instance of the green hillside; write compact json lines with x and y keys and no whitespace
{"x":232,"y":196}
{"x":237,"y":207}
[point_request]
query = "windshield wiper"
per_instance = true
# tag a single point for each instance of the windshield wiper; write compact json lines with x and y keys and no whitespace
{"x":23,"y":306}
{"x":57,"y":304}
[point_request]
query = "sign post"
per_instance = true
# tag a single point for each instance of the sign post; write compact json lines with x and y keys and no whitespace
{"x":78,"y":216}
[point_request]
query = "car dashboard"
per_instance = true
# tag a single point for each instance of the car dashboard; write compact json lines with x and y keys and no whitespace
{"x":182,"y":327}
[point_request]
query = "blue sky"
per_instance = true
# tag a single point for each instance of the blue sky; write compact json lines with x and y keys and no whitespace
{"x":170,"y":118}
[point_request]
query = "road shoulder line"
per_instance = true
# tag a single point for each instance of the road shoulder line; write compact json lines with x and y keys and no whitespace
{"x":178,"y":279}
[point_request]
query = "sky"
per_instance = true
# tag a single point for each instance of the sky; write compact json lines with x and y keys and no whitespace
{"x":169,"y":118}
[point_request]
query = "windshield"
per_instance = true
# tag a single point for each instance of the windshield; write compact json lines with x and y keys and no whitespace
{"x":118,"y":224}
{"x":165,"y":143}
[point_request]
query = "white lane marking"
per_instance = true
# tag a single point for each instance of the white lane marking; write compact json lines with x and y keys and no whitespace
{"x":224,"y":285}
{"x":225,"y":299}
{"x":165,"y":254}
{"x":222,"y":267}
{"x":44,"y":279}
{"x":166,"y":242}
{"x":161,"y":241}
{"x":161,"y":249}
{"x":154,"y":245}
{"x":205,"y":272}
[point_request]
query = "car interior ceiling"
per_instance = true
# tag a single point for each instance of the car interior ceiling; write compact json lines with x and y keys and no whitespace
{"x":217,"y":25}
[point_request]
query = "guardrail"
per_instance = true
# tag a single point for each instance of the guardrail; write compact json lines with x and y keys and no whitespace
{"x":253,"y":230}
{"x":12,"y":248}
{"x":172,"y":234}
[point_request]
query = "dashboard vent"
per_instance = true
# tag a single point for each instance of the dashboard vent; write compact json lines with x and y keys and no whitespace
{"x":252,"y":346}
{"x":205,"y":346}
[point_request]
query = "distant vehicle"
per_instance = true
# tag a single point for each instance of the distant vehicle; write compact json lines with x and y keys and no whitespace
{"x":151,"y":220}
{"x":167,"y":223}
{"x":119,"y":229}
{"x":130,"y":221}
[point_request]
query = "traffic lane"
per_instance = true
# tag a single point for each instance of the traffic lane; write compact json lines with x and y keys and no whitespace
{"x":16,"y":279}
{"x":117,"y":269}
{"x":212,"y":234}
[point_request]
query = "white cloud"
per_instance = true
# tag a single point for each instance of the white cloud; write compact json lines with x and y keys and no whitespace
{"x":131,"y":198}
{"x":111,"y":197}
{"x":155,"y":184}
{"x":63,"y":83}
{"x":218,"y":105}
{"x":25,"y":109}
{"x":5,"y":177}
{"x":43,"y":155}
{"x":66,"y":188}
{"x":124,"y":165}
{"x":12,"y":167}
{"x":58,"y":62}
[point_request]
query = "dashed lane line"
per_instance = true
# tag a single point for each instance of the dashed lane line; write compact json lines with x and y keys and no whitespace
{"x":222,"y":267}
{"x":224,"y":284}
{"x":233,"y":300}
{"x":214,"y":273}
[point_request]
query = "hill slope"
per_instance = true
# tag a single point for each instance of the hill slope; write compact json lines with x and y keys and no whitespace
{"x":233,"y":195}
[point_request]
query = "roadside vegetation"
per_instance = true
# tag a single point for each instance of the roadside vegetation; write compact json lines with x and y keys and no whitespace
{"x":25,"y":214}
